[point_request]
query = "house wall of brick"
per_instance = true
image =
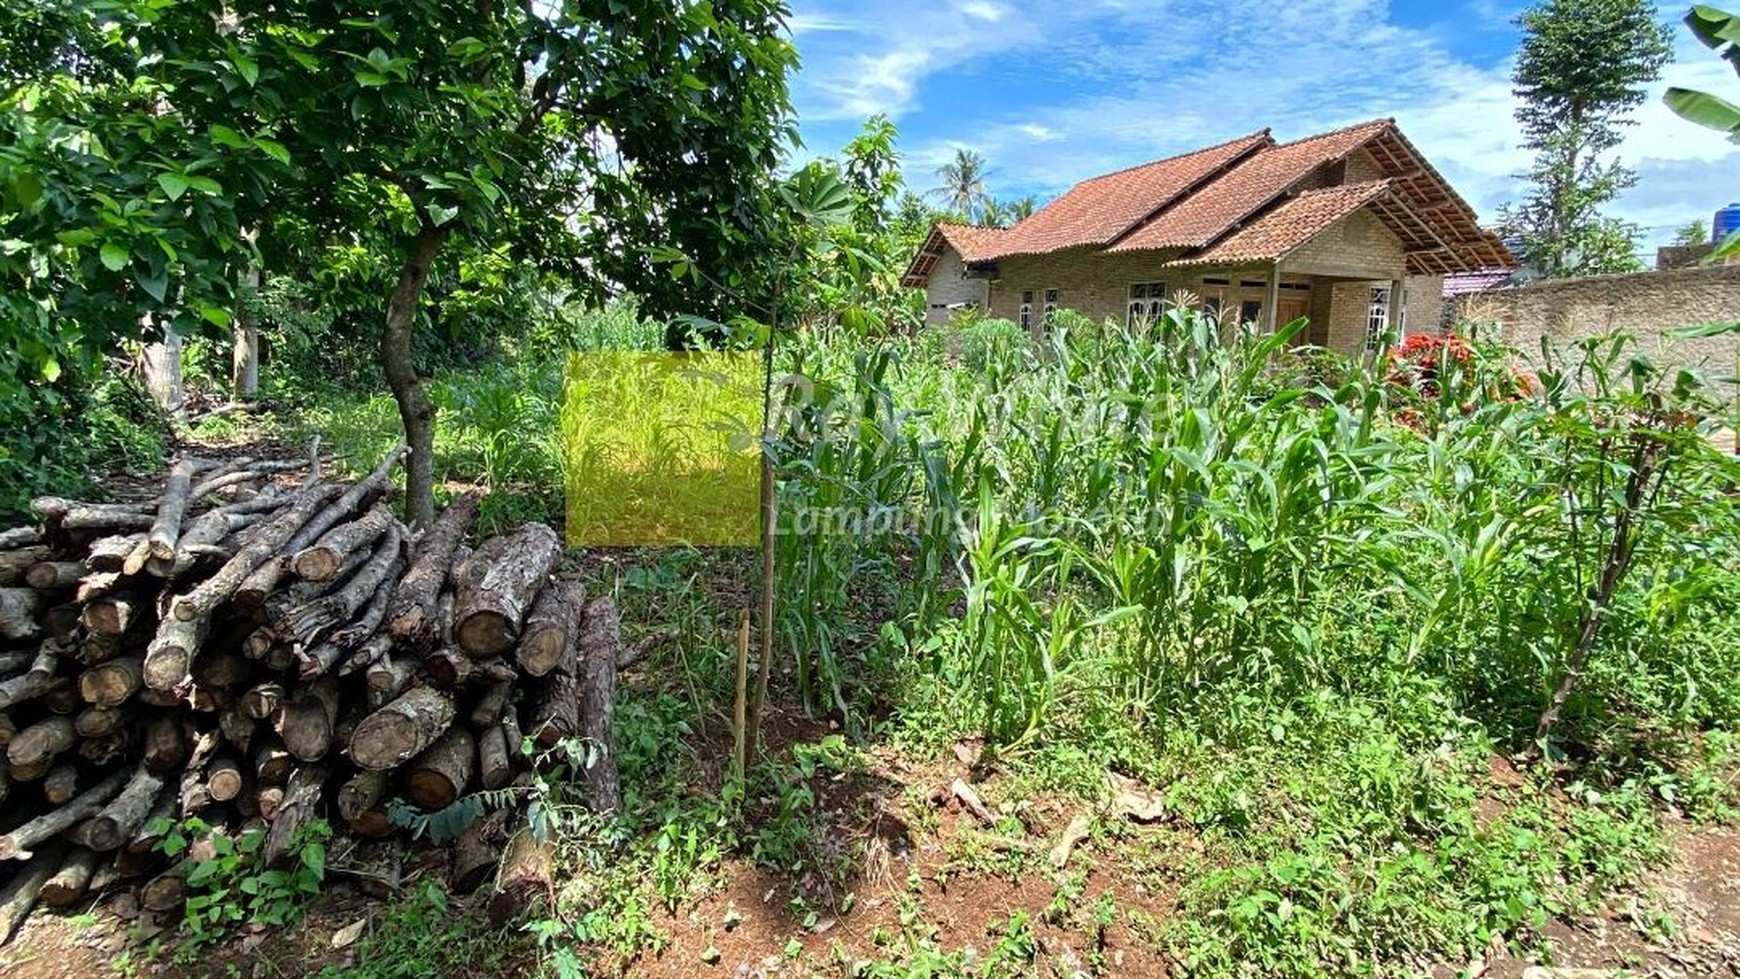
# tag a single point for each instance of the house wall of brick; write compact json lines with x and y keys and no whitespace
{"x":1341,"y":264}
{"x":948,"y":286}
{"x":1648,"y":305}
{"x":1425,"y":303}
{"x":1090,"y":282}
{"x":1357,"y":246}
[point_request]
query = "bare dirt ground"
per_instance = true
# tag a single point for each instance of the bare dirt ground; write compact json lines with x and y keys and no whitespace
{"x":931,"y":875}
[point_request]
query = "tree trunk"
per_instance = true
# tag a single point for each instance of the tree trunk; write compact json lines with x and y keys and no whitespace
{"x":321,"y":560}
{"x":550,"y":625}
{"x":416,"y":411}
{"x":413,"y":616}
{"x":54,"y":575}
{"x":15,"y":563}
{"x":497,"y":748}
{"x":113,"y":683}
{"x":600,"y":637}
{"x":401,"y":730}
{"x":497,"y":586}
{"x":160,"y":362}
{"x":165,"y":746}
{"x":68,"y":883}
{"x":42,"y":741}
{"x":16,"y":844}
{"x":523,"y":880}
{"x":171,"y":508}
{"x":114,"y":826}
{"x":245,"y":357}
{"x":439,"y":776}
{"x":360,"y":803}
{"x":61,"y":784}
{"x":300,"y":805}
{"x":223,"y":778}
{"x":21,"y":893}
{"x":305,"y":722}
{"x":476,"y":854}
{"x":18,"y":610}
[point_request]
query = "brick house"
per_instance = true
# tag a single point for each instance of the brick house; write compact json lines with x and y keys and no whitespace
{"x":1351,"y":229}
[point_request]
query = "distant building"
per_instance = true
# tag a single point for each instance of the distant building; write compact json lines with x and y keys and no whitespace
{"x":1353,"y":230}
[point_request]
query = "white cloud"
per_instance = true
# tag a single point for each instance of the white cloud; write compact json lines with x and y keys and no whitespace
{"x":982,"y":10}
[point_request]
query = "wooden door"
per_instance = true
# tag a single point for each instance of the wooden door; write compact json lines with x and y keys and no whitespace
{"x":1290,"y":308}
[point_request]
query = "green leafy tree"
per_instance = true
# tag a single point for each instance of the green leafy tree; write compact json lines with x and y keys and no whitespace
{"x":1719,"y":30}
{"x":1694,"y":233}
{"x":574,"y":135}
{"x":963,"y":190}
{"x":1581,"y":71}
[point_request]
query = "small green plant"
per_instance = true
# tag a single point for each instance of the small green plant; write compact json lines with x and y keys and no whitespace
{"x":229,"y":882}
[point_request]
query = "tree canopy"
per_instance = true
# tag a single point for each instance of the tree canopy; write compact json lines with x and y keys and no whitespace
{"x":1580,"y":72}
{"x":151,"y":140}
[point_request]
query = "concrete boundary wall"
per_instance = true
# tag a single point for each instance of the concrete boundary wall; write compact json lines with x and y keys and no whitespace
{"x":1647,"y":305}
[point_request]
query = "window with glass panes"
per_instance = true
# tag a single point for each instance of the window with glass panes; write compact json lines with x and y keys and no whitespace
{"x":1026,"y":315}
{"x":1145,"y":304}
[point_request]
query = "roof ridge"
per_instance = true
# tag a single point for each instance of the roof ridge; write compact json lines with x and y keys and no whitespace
{"x":1382,"y":120}
{"x":1265,"y":131}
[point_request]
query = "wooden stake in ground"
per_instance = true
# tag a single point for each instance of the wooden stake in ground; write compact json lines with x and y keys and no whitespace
{"x":740,"y":715}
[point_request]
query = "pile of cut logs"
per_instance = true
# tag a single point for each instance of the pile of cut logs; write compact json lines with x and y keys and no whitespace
{"x":260,"y":649}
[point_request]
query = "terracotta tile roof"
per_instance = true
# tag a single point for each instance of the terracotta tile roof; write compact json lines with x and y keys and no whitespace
{"x":1245,"y":189}
{"x":1098,"y":210}
{"x":1295,"y":222}
{"x":974,"y":244}
{"x":1242,"y":201}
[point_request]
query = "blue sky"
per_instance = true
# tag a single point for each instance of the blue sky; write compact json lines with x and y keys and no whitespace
{"x":1052,"y":92}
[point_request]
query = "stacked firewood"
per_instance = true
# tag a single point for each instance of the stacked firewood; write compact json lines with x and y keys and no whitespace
{"x":259,"y":648}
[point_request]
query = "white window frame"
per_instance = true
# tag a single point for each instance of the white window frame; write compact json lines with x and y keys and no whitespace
{"x":1377,"y":316}
{"x":1050,"y":306}
{"x":1026,"y":312}
{"x":1147,"y":300}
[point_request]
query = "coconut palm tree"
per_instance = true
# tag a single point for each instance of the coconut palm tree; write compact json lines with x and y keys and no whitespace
{"x":1020,"y":209}
{"x":963,"y":190}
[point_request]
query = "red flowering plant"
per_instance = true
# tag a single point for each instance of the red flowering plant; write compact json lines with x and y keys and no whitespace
{"x":1430,"y":377}
{"x":1421,"y":362}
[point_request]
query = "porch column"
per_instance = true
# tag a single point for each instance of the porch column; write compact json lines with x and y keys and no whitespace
{"x":1270,"y":310}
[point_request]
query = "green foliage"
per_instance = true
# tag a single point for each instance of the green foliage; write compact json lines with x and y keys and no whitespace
{"x":119,"y":430}
{"x":1718,"y":30}
{"x":1582,"y":69}
{"x":422,"y":934}
{"x":963,"y":190}
{"x":229,"y":882}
